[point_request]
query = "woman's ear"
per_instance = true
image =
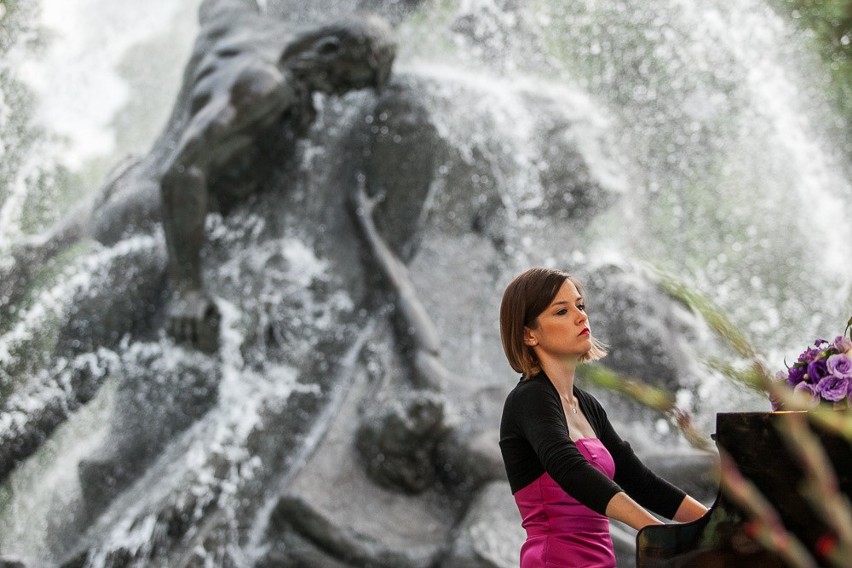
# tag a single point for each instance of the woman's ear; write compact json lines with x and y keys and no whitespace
{"x":529,"y":338}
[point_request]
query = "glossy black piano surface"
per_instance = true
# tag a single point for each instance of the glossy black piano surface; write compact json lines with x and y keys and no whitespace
{"x":721,"y":538}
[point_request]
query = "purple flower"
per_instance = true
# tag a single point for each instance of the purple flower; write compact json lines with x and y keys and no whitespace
{"x":840,"y":366}
{"x":808,"y":389}
{"x":833,"y":388}
{"x":842,"y":344}
{"x":817,"y":370}
{"x":795,"y":375}
{"x":774,"y":403}
{"x":809,"y":355}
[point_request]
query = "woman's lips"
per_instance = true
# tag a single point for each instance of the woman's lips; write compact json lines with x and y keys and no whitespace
{"x":585,"y":331}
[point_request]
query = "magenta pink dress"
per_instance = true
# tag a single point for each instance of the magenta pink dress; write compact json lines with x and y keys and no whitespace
{"x":562,"y":533}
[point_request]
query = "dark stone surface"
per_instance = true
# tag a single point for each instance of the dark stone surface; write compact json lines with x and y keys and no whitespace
{"x":342,"y":544}
{"x":654,"y":334}
{"x":489,"y":534}
{"x":397,"y":441}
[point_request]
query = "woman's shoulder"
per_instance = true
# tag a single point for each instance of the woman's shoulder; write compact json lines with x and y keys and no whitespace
{"x":531,"y":397}
{"x":534,"y":383}
{"x":535,"y":386}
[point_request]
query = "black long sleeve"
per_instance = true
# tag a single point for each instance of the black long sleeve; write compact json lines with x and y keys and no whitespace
{"x":642,"y":484}
{"x":534,"y":439}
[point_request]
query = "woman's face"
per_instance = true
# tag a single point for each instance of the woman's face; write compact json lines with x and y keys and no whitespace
{"x":563,"y":328}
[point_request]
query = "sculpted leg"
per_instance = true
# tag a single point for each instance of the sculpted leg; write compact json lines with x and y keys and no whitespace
{"x":192,"y":316}
{"x":27,"y":256}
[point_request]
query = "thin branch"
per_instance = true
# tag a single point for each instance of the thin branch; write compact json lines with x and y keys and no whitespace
{"x":649,"y":396}
{"x":770,"y":531}
{"x":820,"y":486}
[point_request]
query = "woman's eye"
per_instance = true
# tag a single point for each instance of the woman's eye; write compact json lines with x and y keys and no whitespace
{"x":582,"y":307}
{"x":562,"y":312}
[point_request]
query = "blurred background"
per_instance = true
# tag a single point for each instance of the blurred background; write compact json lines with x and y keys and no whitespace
{"x":707,"y":141}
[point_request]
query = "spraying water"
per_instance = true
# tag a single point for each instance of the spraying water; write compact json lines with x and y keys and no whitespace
{"x":719,"y":129}
{"x":91,"y":82}
{"x":700,"y":125}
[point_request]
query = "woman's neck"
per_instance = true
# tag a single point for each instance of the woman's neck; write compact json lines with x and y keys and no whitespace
{"x":561,"y":375}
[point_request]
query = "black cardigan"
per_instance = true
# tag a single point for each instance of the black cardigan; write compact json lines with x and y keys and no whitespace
{"x":534,"y":439}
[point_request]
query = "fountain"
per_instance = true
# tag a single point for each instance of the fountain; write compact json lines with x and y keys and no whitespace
{"x":606,"y":140}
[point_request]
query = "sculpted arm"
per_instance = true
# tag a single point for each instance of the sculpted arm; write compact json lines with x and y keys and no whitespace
{"x":417,"y":320}
{"x":230,"y":104}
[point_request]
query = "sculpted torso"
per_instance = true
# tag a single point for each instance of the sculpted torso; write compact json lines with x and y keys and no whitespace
{"x":246,"y":90}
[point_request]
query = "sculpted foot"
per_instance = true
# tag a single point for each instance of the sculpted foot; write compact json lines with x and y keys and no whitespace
{"x":193,"y":318}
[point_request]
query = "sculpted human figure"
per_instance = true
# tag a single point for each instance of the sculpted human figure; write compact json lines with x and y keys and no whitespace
{"x":247,"y":98}
{"x":398,"y":443}
{"x":239,"y":93}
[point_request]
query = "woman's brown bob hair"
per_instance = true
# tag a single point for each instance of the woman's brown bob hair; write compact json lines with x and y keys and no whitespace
{"x":525,"y":298}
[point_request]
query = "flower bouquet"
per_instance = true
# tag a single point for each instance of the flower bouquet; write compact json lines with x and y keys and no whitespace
{"x":824,"y":372}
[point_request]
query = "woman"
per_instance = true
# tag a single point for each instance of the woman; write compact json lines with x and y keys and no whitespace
{"x":567,"y":467}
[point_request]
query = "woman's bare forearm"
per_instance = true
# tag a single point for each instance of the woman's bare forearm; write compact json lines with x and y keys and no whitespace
{"x":689,"y":510}
{"x":622,"y":508}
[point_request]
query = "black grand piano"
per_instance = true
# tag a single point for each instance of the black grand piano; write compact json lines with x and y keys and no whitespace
{"x":721,"y":537}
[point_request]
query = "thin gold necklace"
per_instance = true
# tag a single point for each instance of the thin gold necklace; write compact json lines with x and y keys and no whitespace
{"x":570,"y":402}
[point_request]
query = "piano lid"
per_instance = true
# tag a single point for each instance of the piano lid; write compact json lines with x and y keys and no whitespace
{"x":721,"y":537}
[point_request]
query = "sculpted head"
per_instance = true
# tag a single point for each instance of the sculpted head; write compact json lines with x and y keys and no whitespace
{"x":354,"y":53}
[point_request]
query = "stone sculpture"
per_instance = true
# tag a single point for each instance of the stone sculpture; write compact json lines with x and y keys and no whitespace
{"x":248,"y":97}
{"x":358,"y":442}
{"x":241,"y":91}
